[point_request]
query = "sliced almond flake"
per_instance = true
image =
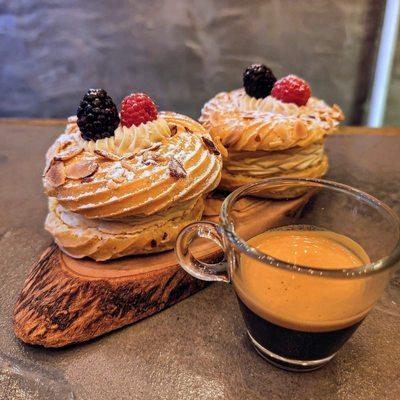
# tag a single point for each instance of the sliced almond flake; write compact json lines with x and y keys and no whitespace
{"x":68,"y":153}
{"x":111,"y":184}
{"x":87,"y":179}
{"x":140,"y":152}
{"x":55,"y":176}
{"x":153,"y":147}
{"x":106,"y":154}
{"x":81,"y":169}
{"x":159,"y":158}
{"x":127,"y":156}
{"x":127,"y":165}
{"x":49,"y":163}
{"x":176,"y":169}
{"x":188,"y":130}
{"x":119,"y":179}
{"x":173,"y":129}
{"x":64,"y":144}
{"x":210,"y":145}
{"x":300,"y":129}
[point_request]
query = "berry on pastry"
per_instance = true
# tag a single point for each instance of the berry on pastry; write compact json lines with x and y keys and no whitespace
{"x":269,"y":129}
{"x":292,"y":89}
{"x":136,"y":109}
{"x":97,"y":115}
{"x":258,"y":81}
{"x":132,"y":191}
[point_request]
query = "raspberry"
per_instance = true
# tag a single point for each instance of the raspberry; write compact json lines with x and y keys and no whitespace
{"x":136,"y":109}
{"x":292,"y":89}
{"x":258,"y":81}
{"x":97,"y":115}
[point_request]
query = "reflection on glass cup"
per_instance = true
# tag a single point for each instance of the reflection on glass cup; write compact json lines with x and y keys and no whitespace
{"x":307,"y":280}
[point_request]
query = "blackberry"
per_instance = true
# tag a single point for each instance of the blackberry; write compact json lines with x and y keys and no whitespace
{"x":97,"y":115}
{"x":258,"y":81}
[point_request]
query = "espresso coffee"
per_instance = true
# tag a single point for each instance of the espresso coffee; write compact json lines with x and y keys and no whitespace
{"x":294,"y":344}
{"x":297,"y":316}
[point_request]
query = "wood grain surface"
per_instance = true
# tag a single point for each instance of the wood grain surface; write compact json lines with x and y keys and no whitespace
{"x":66,"y":301}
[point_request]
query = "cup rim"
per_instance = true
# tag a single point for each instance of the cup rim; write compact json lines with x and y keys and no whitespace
{"x":380,"y":265}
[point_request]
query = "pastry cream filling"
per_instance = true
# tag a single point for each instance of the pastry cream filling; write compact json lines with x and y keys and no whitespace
{"x":270,"y":104}
{"x":129,"y":225}
{"x":128,"y":141}
{"x":267,"y":163}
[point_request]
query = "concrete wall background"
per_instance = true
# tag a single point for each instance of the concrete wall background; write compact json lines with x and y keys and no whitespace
{"x":393,"y":104}
{"x":181,"y":51}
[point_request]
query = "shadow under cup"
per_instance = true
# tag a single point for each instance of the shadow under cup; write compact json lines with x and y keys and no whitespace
{"x":298,"y":317}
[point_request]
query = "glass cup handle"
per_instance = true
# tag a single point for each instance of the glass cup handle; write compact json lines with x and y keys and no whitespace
{"x":195,"y":267}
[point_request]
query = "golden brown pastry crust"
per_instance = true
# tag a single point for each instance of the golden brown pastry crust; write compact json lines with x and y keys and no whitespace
{"x":103,"y":240}
{"x":141,"y":185}
{"x":104,"y":203}
{"x":265,"y":164}
{"x":245,"y":123}
{"x":231,"y":182}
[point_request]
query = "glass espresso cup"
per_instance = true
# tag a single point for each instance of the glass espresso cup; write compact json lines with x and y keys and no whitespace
{"x":298,"y":315}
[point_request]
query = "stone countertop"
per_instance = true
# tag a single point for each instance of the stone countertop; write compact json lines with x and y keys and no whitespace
{"x":196,"y":349}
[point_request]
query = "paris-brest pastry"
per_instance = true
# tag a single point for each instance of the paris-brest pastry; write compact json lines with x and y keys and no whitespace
{"x":126,"y":183}
{"x":270,"y":128}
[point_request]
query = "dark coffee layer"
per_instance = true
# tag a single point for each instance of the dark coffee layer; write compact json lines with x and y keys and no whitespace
{"x":294,"y":344}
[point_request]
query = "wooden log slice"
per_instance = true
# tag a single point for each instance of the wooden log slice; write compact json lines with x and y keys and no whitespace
{"x":66,"y":300}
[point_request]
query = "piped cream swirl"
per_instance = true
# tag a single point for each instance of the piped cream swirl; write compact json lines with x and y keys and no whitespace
{"x":144,"y":184}
{"x":263,"y":164}
{"x":244,"y":123}
{"x":271,"y":104}
{"x":128,"y":141}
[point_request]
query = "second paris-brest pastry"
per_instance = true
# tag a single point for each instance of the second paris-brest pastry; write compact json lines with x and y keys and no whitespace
{"x":270,"y":128}
{"x":123,"y":184}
